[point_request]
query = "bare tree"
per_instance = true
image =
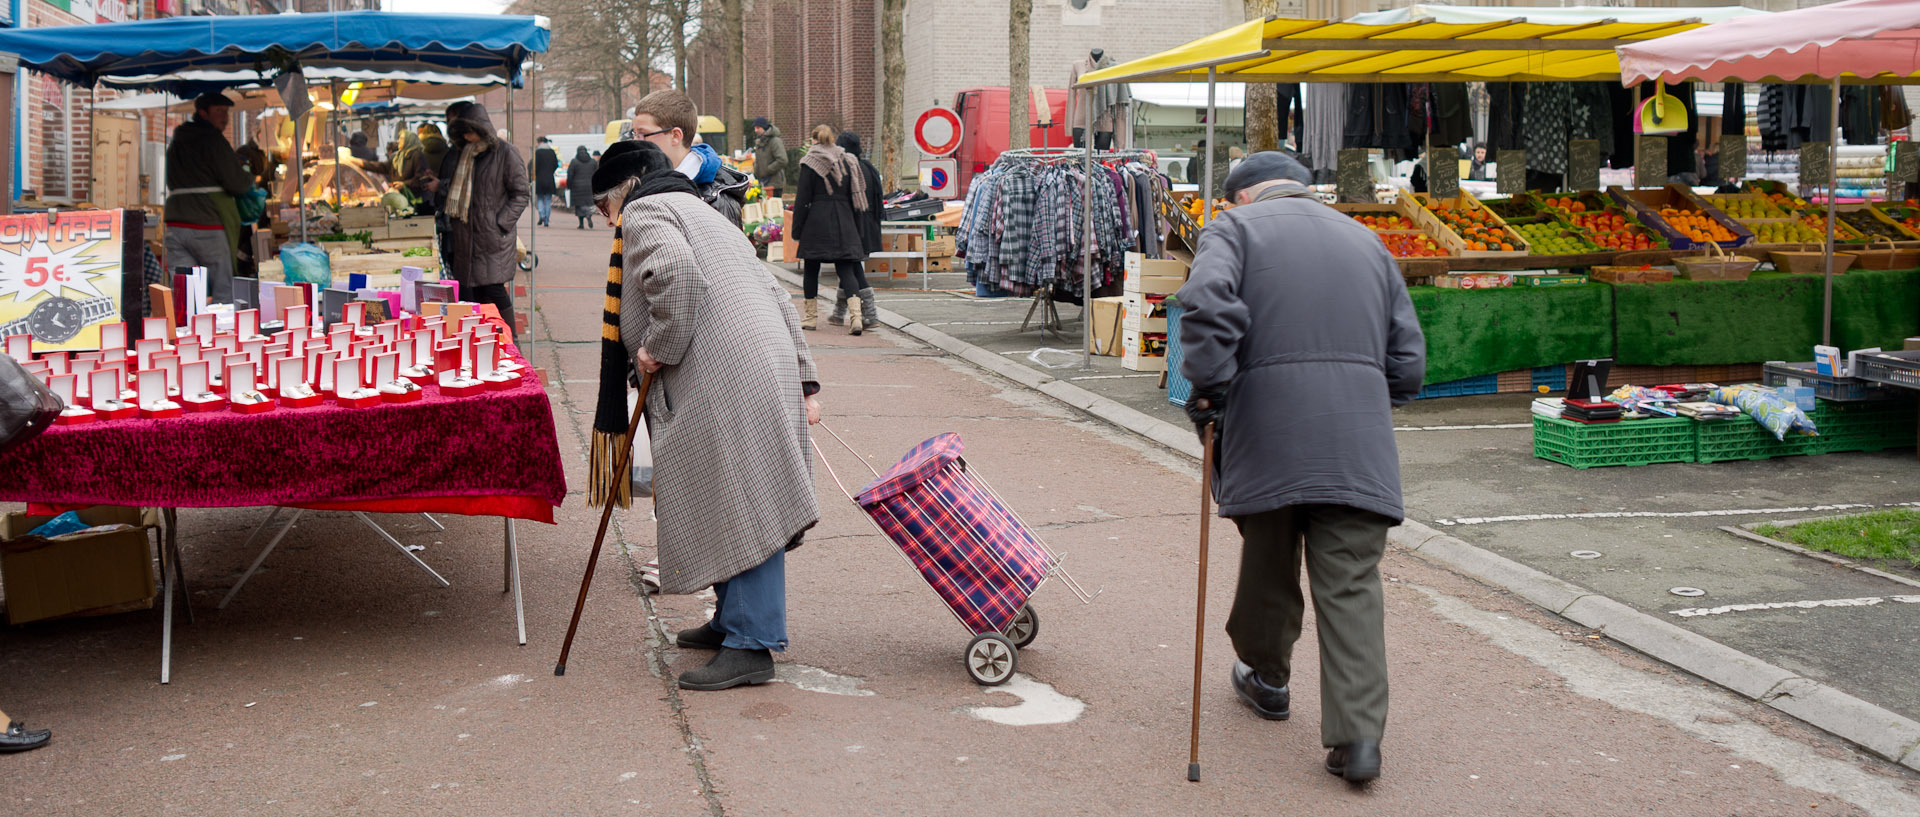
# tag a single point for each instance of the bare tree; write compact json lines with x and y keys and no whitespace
{"x":1019,"y":67}
{"x":733,"y":42}
{"x":677,"y":14}
{"x":1263,"y":116}
{"x":599,"y":48}
{"x":893,"y":84}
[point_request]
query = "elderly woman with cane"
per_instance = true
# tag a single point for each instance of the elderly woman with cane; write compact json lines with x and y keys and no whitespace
{"x":730,"y":396}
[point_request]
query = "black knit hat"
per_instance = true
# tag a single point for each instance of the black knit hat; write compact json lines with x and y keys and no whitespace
{"x":627,"y":160}
{"x":761,"y":122}
{"x":848,"y":141}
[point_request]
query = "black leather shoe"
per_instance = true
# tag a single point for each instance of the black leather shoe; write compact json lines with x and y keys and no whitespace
{"x":731,"y":668}
{"x":1268,"y":702}
{"x":703,"y":637}
{"x":18,"y":738}
{"x":1356,"y":762}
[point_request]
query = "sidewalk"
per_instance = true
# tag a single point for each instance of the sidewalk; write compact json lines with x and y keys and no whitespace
{"x":1497,"y":708}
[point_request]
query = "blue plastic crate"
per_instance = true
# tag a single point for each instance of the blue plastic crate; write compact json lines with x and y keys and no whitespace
{"x":1484,"y":384}
{"x":1179,"y":388}
{"x":1553,"y":377}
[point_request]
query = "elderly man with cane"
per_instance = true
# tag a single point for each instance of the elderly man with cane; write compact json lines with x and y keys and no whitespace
{"x":1299,"y":339}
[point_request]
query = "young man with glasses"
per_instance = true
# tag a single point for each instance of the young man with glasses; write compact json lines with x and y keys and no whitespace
{"x":669,"y":120}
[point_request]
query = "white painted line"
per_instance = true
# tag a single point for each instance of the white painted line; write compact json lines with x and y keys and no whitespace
{"x":1544,"y":517}
{"x":1864,"y":601}
{"x":973,"y":323}
{"x":1111,"y":376}
{"x":1464,"y":428}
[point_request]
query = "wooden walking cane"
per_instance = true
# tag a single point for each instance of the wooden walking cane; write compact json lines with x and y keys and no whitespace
{"x":1200,"y":605}
{"x":625,"y":461}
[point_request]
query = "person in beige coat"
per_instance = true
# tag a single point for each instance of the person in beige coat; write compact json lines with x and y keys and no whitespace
{"x":727,"y":413}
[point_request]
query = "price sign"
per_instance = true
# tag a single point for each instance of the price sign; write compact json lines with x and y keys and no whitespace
{"x":60,"y":277}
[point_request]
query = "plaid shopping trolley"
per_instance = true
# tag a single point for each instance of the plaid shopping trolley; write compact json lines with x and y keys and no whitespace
{"x":967,"y":544}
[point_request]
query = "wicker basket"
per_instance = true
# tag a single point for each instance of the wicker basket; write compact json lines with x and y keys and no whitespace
{"x":1716,"y":266}
{"x":1876,"y":257}
{"x":1806,"y":261}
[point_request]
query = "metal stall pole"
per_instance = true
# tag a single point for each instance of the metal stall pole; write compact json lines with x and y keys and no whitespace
{"x":533,"y":236}
{"x":1206,"y":186}
{"x":1086,"y":250}
{"x":333,"y":135}
{"x":1833,"y":159}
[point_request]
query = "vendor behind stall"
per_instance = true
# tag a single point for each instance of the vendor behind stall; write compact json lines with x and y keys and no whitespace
{"x":204,"y":176}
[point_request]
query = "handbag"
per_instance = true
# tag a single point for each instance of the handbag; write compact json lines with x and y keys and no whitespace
{"x":27,"y":406}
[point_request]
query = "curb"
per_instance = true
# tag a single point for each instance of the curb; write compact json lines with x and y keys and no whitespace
{"x":1884,"y":733}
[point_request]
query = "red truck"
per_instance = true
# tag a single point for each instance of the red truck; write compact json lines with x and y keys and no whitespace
{"x":983,"y":127}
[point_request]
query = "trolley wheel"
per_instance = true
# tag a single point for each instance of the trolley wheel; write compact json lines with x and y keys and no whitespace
{"x":1024,"y":628}
{"x":992,"y":659}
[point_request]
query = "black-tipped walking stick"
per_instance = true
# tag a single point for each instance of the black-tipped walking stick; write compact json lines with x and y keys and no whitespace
{"x":1200,"y":599}
{"x":624,"y":461}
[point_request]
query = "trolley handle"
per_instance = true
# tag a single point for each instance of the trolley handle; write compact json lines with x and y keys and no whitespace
{"x":829,"y":465}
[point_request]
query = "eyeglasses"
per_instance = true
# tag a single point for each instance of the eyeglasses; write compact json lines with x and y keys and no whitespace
{"x":656,"y":133}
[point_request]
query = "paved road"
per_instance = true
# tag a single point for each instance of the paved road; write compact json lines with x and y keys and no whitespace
{"x":341,"y":682}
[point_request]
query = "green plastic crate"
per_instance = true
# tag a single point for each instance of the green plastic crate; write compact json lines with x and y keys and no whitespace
{"x":1743,"y":439}
{"x":1868,"y":426}
{"x":1629,"y":442}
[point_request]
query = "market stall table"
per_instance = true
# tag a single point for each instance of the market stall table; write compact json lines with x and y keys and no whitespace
{"x":490,"y":454}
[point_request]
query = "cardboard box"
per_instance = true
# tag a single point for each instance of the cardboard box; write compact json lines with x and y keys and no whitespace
{"x":1143,"y":351}
{"x":1553,"y":280}
{"x":942,"y":264}
{"x":1911,"y":345}
{"x":1154,"y":285}
{"x":1477,"y":280}
{"x":1104,"y":337}
{"x":1139,"y":268}
{"x":789,"y":248}
{"x":77,"y":575}
{"x":941,"y":247}
{"x":355,"y":219}
{"x":1145,"y":313}
{"x":417,"y":227}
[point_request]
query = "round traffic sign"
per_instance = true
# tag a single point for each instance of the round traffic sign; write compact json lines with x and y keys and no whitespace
{"x":937,"y":133}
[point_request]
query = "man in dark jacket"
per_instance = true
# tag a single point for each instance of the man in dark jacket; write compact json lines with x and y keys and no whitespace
{"x":670,"y":121}
{"x":546,"y":165}
{"x":1299,"y":338}
{"x":482,"y":196}
{"x":204,"y":177}
{"x":769,"y":157}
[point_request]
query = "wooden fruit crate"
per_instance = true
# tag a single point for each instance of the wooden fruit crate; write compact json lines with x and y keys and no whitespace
{"x":1455,"y":243}
{"x":1402,"y":208}
{"x":1647,"y":203}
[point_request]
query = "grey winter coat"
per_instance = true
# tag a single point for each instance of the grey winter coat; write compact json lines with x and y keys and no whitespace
{"x":482,"y":249}
{"x":733,"y":470}
{"x":1303,"y":316}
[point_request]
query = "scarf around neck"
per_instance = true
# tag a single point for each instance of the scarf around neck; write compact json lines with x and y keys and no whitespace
{"x":605,"y":482}
{"x":837,"y":166}
{"x":461,"y":195}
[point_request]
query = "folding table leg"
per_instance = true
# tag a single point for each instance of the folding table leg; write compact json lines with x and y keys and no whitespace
{"x":434,"y":522}
{"x":513,"y":574}
{"x":172,"y":545}
{"x":368,"y":521}
{"x":262,"y":526}
{"x":262,"y":558}
{"x":166,"y":593}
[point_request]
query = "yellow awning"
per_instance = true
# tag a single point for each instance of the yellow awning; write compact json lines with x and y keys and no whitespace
{"x":1283,"y":49}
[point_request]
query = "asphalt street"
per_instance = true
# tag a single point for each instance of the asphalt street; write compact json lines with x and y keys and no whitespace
{"x":341,"y":681}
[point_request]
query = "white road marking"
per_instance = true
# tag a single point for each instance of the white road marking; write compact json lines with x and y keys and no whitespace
{"x":1112,"y":376}
{"x":1863,"y":601}
{"x":814,"y":679}
{"x":1543,"y":517}
{"x":1463,"y":428}
{"x":1039,"y":704}
{"x":973,"y":323}
{"x":1699,"y":710}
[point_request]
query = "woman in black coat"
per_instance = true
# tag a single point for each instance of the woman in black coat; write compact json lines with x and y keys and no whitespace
{"x":580,"y":186}
{"x":869,"y":238}
{"x":832,"y":194}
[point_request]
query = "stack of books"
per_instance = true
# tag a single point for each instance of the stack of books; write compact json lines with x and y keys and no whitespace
{"x":1583,"y":411}
{"x":1707,"y":411}
{"x":1549,"y":406}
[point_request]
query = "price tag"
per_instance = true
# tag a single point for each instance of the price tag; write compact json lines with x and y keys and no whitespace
{"x":1650,"y":169}
{"x":1510,"y":174}
{"x":1353,"y":177}
{"x":1583,"y":164}
{"x":1443,"y":172}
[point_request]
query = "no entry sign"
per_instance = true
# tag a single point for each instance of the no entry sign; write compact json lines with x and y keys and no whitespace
{"x":937,"y":133}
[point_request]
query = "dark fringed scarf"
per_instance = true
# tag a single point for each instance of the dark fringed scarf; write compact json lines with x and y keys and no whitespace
{"x":605,"y":482}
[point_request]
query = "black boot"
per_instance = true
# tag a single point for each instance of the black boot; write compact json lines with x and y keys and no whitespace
{"x":1356,"y":762}
{"x":703,"y":637}
{"x":729,"y":669}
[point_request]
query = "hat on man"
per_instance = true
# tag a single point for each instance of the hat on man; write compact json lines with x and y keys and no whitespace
{"x":1265,"y":166}
{"x":211,"y":99}
{"x":761,"y":122}
{"x":626,"y":160}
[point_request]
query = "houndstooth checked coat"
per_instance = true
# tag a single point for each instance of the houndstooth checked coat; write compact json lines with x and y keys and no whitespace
{"x":733,"y":470}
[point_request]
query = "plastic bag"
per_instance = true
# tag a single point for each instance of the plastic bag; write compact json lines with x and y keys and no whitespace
{"x":252,"y":205}
{"x":306,"y":264}
{"x":1772,"y":410}
{"x":61,"y":525}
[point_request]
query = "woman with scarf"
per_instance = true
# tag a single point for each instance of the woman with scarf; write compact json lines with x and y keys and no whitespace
{"x":832,"y":189}
{"x":732,"y":394}
{"x":869,"y":220}
{"x":580,"y":186}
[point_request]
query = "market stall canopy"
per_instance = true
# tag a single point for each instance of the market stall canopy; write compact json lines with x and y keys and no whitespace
{"x":1546,"y":45}
{"x":1856,"y":40}
{"x":187,"y":55}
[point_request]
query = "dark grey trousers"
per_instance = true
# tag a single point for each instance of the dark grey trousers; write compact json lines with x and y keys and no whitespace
{"x":1342,"y":548}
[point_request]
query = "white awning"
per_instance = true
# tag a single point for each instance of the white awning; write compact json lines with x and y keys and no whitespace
{"x":1227,"y":95}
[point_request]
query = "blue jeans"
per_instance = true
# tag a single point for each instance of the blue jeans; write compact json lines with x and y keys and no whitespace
{"x":751,"y":610}
{"x":543,"y":204}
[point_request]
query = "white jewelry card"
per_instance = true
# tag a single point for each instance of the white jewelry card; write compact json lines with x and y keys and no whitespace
{"x":188,"y":350}
{"x":388,"y":332}
{"x":326,"y":364}
{"x":144,"y":350}
{"x":116,"y":354}
{"x":354,"y":313}
{"x":205,"y":326}
{"x":483,"y":359}
{"x":56,"y":362}
{"x":105,"y":385}
{"x":346,"y":376}
{"x":240,"y":383}
{"x":296,"y":319}
{"x":247,"y":323}
{"x":193,"y":381}
{"x":63,"y":386}
{"x":386,"y":368}
{"x":155,"y":328}
{"x":169,"y":364}
{"x":291,"y":373}
{"x":151,"y":386}
{"x":113,"y":336}
{"x":422,"y":349}
{"x":338,"y":341}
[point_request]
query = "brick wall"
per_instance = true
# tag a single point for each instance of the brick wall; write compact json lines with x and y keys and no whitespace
{"x":808,"y":62}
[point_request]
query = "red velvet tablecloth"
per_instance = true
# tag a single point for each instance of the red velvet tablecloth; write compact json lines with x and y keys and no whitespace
{"x":492,"y":454}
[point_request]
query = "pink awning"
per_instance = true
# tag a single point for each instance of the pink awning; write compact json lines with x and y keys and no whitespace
{"x":1863,"y":39}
